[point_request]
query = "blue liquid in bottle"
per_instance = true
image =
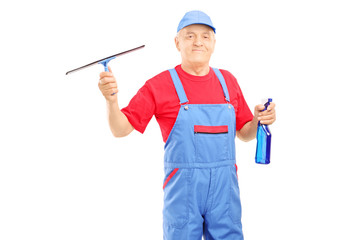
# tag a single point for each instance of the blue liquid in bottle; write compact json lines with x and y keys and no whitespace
{"x":263,"y":137}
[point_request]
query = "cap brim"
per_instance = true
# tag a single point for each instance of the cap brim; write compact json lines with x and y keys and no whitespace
{"x":214,"y":29}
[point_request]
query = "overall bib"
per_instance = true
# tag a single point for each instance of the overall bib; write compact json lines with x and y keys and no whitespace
{"x":201,"y":192}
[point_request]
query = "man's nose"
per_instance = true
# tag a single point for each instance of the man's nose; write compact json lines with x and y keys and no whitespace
{"x":198,"y":42}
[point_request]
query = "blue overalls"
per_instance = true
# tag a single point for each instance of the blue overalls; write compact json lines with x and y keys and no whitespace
{"x":201,"y":192}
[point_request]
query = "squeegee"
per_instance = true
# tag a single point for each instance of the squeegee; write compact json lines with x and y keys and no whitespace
{"x":105,"y":61}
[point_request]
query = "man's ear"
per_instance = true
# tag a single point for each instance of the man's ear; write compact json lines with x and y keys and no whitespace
{"x":177,"y":43}
{"x":214,"y":46}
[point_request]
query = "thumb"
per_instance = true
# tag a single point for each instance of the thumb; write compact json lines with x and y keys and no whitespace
{"x":109,"y":69}
{"x":259,"y":107}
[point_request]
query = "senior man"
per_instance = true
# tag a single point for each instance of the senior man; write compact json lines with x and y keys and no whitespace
{"x":200,"y":111}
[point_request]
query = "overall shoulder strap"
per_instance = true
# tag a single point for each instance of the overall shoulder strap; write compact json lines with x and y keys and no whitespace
{"x":178,"y":86}
{"x":223,"y":84}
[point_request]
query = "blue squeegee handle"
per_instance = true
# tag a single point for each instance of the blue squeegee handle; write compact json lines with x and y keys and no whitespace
{"x":106,"y":62}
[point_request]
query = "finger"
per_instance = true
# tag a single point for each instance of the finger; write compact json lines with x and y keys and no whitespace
{"x":106,"y":90}
{"x":271,"y":106}
{"x":106,"y":74}
{"x":259,"y":107}
{"x":267,"y":119}
{"x":267,"y":116}
{"x":109,"y":69}
{"x":267,"y":122}
{"x":115,"y":92}
{"x":267,"y":112}
{"x":107,"y":80}
{"x":109,"y":86}
{"x":110,"y":91}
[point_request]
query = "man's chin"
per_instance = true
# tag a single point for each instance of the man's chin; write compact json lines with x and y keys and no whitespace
{"x":200,"y":61}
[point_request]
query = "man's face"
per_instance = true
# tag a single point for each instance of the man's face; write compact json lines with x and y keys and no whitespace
{"x":196,"y":43}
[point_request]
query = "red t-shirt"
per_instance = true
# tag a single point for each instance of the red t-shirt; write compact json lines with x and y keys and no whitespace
{"x":158,"y":97}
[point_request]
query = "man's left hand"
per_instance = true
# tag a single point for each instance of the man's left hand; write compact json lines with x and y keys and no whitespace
{"x":268,"y":116}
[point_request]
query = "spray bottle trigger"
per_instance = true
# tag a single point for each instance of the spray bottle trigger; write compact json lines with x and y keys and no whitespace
{"x":267,"y":103}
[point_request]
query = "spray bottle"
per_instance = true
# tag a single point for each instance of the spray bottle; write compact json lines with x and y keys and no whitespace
{"x":263,"y":137}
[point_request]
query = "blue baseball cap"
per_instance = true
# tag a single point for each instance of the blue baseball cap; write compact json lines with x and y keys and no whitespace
{"x":195,"y":17}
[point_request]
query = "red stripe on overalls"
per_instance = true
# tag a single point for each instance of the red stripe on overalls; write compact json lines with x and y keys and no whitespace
{"x":211,"y":129}
{"x":170,"y":176}
{"x":236,"y":171}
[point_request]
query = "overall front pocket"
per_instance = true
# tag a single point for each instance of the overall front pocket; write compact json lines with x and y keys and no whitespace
{"x":211,"y":143}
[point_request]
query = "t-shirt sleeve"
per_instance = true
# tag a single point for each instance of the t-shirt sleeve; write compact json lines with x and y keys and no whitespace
{"x":141,"y":108}
{"x":244,"y":114}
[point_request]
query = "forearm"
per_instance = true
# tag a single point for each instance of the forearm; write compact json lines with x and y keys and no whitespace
{"x":119,"y":124}
{"x":248,"y":131}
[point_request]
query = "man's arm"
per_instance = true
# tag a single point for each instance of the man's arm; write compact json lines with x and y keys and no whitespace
{"x":248,"y":131}
{"x":119,"y":124}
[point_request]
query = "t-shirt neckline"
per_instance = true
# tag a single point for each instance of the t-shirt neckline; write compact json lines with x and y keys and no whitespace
{"x":188,"y":76}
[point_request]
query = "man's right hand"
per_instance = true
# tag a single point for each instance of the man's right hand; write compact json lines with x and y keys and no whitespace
{"x":108,"y":86}
{"x":119,"y":124}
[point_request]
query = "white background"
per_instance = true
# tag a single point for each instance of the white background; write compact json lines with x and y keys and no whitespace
{"x":64,"y":176}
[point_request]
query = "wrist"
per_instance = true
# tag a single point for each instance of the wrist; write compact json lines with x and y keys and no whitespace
{"x":112,"y":103}
{"x":255,"y":120}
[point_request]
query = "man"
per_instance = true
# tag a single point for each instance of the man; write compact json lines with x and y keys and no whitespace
{"x":200,"y":110}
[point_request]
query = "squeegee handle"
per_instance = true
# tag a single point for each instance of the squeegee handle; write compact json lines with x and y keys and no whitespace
{"x":105,"y":64}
